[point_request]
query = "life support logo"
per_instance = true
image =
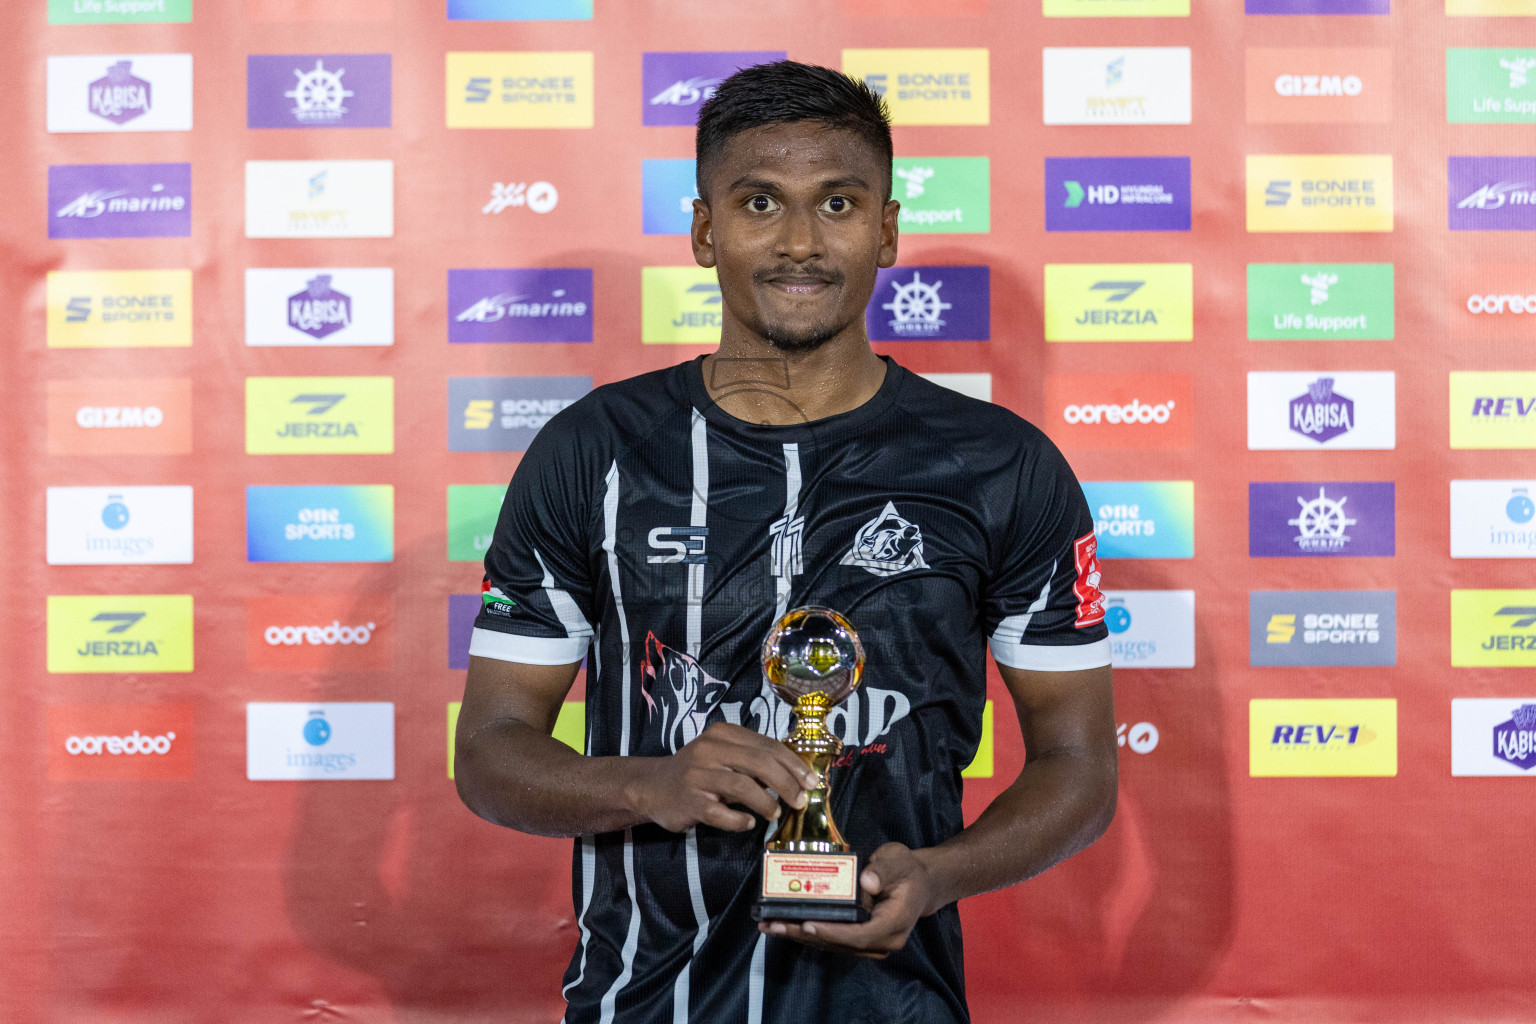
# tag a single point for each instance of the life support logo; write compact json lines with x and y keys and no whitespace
{"x":88,"y":742}
{"x":1490,"y":86}
{"x":473,"y":510}
{"x":520,"y":90}
{"x":1320,"y":301}
{"x":319,"y":632}
{"x":944,"y":194}
{"x":927,"y":86}
{"x":1326,"y":85}
{"x":1318,"y":738}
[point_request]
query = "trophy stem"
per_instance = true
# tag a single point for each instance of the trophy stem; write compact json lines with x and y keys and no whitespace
{"x":810,"y":829}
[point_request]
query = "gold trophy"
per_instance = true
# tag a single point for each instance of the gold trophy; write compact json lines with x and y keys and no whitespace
{"x":813,"y":659}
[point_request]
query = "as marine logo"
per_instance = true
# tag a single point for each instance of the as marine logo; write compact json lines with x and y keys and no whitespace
{"x":887,"y":545}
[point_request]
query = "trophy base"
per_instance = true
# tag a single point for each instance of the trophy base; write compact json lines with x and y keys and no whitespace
{"x":812,"y":887}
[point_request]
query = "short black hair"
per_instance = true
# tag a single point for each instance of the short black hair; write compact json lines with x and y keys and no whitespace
{"x":783,"y":92}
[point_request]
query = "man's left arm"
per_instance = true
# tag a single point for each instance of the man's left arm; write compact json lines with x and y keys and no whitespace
{"x":1062,"y":800}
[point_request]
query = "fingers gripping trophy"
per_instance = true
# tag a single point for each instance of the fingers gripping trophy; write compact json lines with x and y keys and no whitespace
{"x":813,"y":659}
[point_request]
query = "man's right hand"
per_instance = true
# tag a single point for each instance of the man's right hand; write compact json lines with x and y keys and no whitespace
{"x":724,"y":769}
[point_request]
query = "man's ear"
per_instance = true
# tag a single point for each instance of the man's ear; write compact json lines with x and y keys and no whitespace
{"x":889,"y":222}
{"x":702,"y":236}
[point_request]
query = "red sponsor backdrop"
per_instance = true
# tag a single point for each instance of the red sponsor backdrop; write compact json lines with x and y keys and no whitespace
{"x":1213,"y":896}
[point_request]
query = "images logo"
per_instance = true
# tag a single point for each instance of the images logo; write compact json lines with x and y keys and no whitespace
{"x":120,"y":201}
{"x":118,"y":12}
{"x":320,"y":524}
{"x":520,"y":90}
{"x":1116,"y":85}
{"x":119,"y":525}
{"x":944,"y":194}
{"x":680,"y":306}
{"x":1493,"y":628}
{"x":1493,"y":519}
{"x":668,"y":195}
{"x":1119,"y":302}
{"x":120,"y":633}
{"x":472,"y":513}
{"x":147,"y":92}
{"x":547,"y":304}
{"x":320,"y":741}
{"x":1354,"y":519}
{"x":1493,"y":410}
{"x":1322,"y":627}
{"x":519,"y":10}
{"x":119,"y":308}
{"x":1115,"y":8}
{"x":674,"y":85}
{"x":1143,"y":519}
{"x":1150,"y":628}
{"x":318,"y":90}
{"x":1117,"y":193}
{"x":319,"y":632}
{"x":319,"y":198}
{"x":319,"y":415}
{"x":1320,"y":301}
{"x":1331,"y":410}
{"x":926,"y":86}
{"x":931,"y":304}
{"x":502,"y":414}
{"x":1319,"y":738}
{"x":87,"y":742}
{"x":1132,"y":410}
{"x":1493,"y":737}
{"x":331,"y":306}
{"x":1492,"y":193}
{"x":120,"y":416}
{"x":1319,"y":193}
{"x":1292,"y":86}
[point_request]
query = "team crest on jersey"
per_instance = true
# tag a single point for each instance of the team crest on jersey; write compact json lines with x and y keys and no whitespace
{"x":679,"y":694}
{"x":1090,"y":602}
{"x":887,"y":544}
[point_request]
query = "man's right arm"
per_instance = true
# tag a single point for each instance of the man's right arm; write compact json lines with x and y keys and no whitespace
{"x":510,"y":770}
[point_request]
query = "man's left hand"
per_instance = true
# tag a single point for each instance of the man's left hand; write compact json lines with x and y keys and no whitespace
{"x":899,"y":880}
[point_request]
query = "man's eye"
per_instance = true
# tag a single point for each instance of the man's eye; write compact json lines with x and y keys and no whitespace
{"x":761,"y":204}
{"x":837,"y":204}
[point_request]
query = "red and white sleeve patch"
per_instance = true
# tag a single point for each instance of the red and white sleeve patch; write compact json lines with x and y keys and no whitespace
{"x":1090,"y":603}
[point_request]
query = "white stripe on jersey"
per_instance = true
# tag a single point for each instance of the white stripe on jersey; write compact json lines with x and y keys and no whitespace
{"x":785,"y":581}
{"x":755,"y":981}
{"x":1011,"y":629}
{"x":588,"y":871}
{"x":566,"y":611}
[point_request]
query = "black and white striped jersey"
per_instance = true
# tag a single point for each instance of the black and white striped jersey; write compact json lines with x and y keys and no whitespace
{"x":651,"y":530}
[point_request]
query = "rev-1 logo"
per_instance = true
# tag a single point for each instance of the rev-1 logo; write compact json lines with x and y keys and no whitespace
{"x":1503,"y":407}
{"x":1318,"y":735}
{"x":684,"y":544}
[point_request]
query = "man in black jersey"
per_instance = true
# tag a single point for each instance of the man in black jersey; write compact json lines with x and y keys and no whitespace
{"x":661,"y":524}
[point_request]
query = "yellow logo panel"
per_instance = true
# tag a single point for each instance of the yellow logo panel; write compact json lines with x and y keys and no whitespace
{"x":1316,"y":738}
{"x":119,"y":308}
{"x":1493,"y":410}
{"x":1489,"y":8}
{"x":120,"y":633}
{"x":679,"y":306}
{"x":1319,"y":193}
{"x":1115,"y":8}
{"x":520,"y":90}
{"x":319,"y":415}
{"x":1494,"y":628}
{"x":1119,"y":302}
{"x":926,"y":86}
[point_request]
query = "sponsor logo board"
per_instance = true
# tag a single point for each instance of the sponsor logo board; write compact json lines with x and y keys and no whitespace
{"x":944,"y":194}
{"x":1117,"y":193}
{"x":1116,"y":85}
{"x":1321,"y":409}
{"x":1320,"y":301}
{"x":1120,"y":410}
{"x":463,"y":609}
{"x":1492,"y":193}
{"x":1490,"y":86}
{"x":544,"y":304}
{"x":120,"y":201}
{"x":317,"y":90}
{"x":1319,"y":193}
{"x":319,"y":198}
{"x":1119,"y":302}
{"x":1143,"y":519}
{"x":674,"y":85}
{"x":1493,"y":736}
{"x":1493,"y":518}
{"x":1322,"y":627}
{"x":679,"y":306}
{"x":947,"y":303}
{"x":319,"y":415}
{"x":1314,"y":738}
{"x":118,"y":12}
{"x":668,"y":191}
{"x":88,"y":742}
{"x":120,"y":416}
{"x":1115,"y":8}
{"x":472,"y":513}
{"x":502,"y":414}
{"x":120,"y":633}
{"x":334,"y":740}
{"x":119,"y":525}
{"x":1493,"y":628}
{"x":1150,"y":628}
{"x":119,"y":308}
{"x":1326,"y":519}
{"x":927,"y":86}
{"x":141,"y":92}
{"x":320,"y":524}
{"x":520,"y":90}
{"x":1325,"y":85}
{"x":1491,"y":300}
{"x":972,"y":385}
{"x":1493,"y":410}
{"x":519,"y":10}
{"x":319,"y":632}
{"x":319,"y":306}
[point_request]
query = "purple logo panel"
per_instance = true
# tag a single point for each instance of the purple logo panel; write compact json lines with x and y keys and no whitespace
{"x":1492,"y":193}
{"x":1319,"y":7}
{"x":931,"y":304}
{"x":120,"y":201}
{"x":675,"y":85}
{"x":462,"y":609}
{"x":1117,"y":193}
{"x":1515,"y":740}
{"x":318,"y":90}
{"x":1322,"y":519}
{"x":553,"y":304}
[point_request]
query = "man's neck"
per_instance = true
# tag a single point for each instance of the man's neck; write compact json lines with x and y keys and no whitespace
{"x":752,"y":380}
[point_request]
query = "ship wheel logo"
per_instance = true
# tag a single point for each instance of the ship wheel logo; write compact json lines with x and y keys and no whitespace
{"x":916,"y":308}
{"x":318,"y":94}
{"x":1321,"y":523}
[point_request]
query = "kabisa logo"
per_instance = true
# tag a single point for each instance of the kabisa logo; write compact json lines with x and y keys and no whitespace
{"x":948,"y":194}
{"x":519,"y":10}
{"x":1322,"y":627}
{"x":1493,"y":737}
{"x":319,"y":415}
{"x":1319,"y":193}
{"x":119,"y":741}
{"x":120,"y":633}
{"x":1493,"y":519}
{"x":546,"y":304}
{"x":119,"y":525}
{"x":926,"y":86}
{"x":1492,"y":193}
{"x":1493,"y":628}
{"x":1117,"y":194}
{"x":668,"y":189}
{"x":1330,"y":84}
{"x":679,"y":306}
{"x":1515,"y":740}
{"x":119,"y":95}
{"x":1119,"y":302}
{"x":1490,"y":86}
{"x":1493,"y":410}
{"x":319,"y":741}
{"x":320,"y":524}
{"x":1116,"y":85}
{"x":1320,"y":301}
{"x":319,"y":310}
{"x":1150,"y":628}
{"x":502,"y":414}
{"x":1143,"y":519}
{"x":119,"y":308}
{"x":674,"y":85}
{"x":120,"y":201}
{"x":332,"y":306}
{"x":1119,"y":410}
{"x":120,"y":416}
{"x":1347,"y":409}
{"x":887,"y":545}
{"x":150,"y":92}
{"x":931,"y":304}
{"x":1287,"y":520}
{"x":1318,"y":6}
{"x":519,"y":90}
{"x":318,"y":632}
{"x":539,"y":197}
{"x":1317,"y":738}
{"x":318,"y":90}
{"x":1321,"y":414}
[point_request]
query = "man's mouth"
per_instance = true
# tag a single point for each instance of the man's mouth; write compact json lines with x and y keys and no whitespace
{"x":799,"y":284}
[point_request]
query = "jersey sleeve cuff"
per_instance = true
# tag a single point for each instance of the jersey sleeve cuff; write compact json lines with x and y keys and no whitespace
{"x":1054,"y":658}
{"x":527,"y":650}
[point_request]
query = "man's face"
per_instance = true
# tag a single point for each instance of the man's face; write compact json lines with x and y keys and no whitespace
{"x":796,"y":225}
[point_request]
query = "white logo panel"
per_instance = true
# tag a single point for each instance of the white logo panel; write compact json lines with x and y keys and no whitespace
{"x":1493,"y":737}
{"x":139,"y":92}
{"x":320,"y":306}
{"x":1116,"y":85}
{"x":320,"y":741}
{"x":1150,"y":628}
{"x":1322,"y":409}
{"x":1493,"y":518}
{"x":319,"y":198}
{"x":975,"y":385}
{"x":119,"y":525}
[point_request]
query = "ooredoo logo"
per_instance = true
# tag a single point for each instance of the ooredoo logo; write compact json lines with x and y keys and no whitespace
{"x":1115,"y":410}
{"x":114,"y":416}
{"x":119,"y":741}
{"x":1492,"y":300}
{"x":319,"y":632}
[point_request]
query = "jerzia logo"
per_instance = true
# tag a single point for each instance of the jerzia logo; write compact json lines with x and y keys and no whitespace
{"x":1493,"y":628}
{"x":338,"y":415}
{"x":931,"y":304}
{"x":887,"y":545}
{"x":129,"y":633}
{"x":1119,"y":302}
{"x":679,"y":305}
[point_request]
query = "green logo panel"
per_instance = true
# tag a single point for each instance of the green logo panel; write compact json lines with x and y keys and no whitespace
{"x":472,"y":513}
{"x":118,"y":12}
{"x":1320,"y":301}
{"x":1490,"y":86}
{"x":944,"y":194}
